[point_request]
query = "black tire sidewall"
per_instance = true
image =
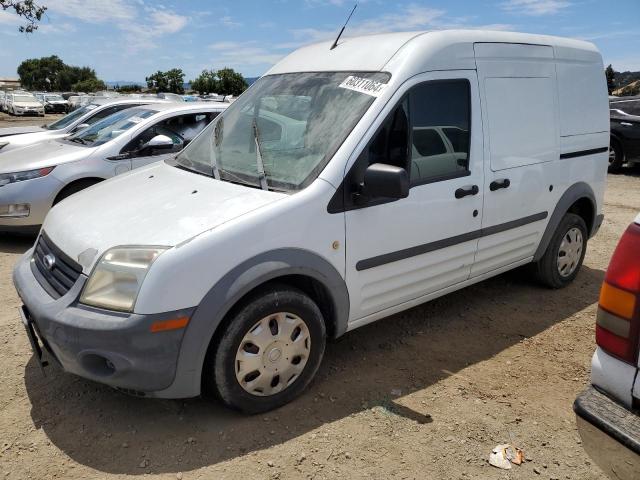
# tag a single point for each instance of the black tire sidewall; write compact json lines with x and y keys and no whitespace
{"x":616,"y":165}
{"x":548,"y":268}
{"x":268,"y":302}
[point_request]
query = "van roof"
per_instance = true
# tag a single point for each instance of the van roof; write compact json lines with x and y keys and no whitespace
{"x":443,"y":49}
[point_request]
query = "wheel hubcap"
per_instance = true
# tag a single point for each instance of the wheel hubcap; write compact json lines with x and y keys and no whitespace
{"x":612,"y":155}
{"x":272,"y":354}
{"x":570,"y":252}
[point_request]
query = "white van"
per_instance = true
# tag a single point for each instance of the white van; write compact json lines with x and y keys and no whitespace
{"x":344,"y":186}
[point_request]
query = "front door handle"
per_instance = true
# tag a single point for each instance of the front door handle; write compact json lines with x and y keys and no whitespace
{"x":498,"y":184}
{"x":464,"y":191}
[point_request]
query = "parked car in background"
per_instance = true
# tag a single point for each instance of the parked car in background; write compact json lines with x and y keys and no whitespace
{"x":24,"y":103}
{"x":36,"y":177}
{"x":608,"y":411}
{"x":53,"y":102}
{"x":3,"y":99}
{"x":17,"y":137}
{"x":295,"y":216}
{"x":625,"y":132}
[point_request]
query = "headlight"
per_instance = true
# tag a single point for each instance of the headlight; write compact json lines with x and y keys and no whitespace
{"x":116,"y":279}
{"x":6,"y":178}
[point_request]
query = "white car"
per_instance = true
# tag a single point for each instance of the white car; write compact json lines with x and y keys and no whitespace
{"x":607,"y":411}
{"x":23,"y":103}
{"x":34,"y":178}
{"x":3,"y":99}
{"x":12,"y":138}
{"x":296,"y":215}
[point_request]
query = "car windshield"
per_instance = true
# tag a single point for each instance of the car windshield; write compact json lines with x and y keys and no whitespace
{"x":72,"y":117}
{"x":283,"y":130}
{"x":24,"y":98}
{"x":111,"y":127}
{"x":54,"y":98}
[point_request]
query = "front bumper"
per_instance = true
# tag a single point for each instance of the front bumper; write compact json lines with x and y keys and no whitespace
{"x":116,"y":349}
{"x":39,"y":193}
{"x":610,"y":434}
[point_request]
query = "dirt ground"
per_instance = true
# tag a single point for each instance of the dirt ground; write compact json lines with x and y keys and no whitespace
{"x":425,"y":394}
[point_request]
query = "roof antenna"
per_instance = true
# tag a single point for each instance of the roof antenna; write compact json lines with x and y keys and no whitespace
{"x":335,"y":44}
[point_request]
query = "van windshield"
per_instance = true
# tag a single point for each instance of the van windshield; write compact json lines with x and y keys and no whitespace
{"x":284,"y":129}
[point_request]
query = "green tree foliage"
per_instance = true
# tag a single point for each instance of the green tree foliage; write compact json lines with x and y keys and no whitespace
{"x":224,"y":82}
{"x":27,"y":9}
{"x":175,"y":79}
{"x":128,"y":88}
{"x":89,"y":85}
{"x":51,"y":73}
{"x":158,"y":82}
{"x":170,"y":81}
{"x":611,"y":78}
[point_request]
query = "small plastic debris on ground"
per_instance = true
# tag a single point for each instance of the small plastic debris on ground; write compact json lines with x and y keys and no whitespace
{"x":504,"y":455}
{"x":396,"y":392}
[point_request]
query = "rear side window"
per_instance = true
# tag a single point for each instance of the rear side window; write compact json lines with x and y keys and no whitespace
{"x":440,"y":126}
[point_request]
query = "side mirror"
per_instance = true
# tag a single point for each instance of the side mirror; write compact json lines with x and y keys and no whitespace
{"x":385,"y":181}
{"x":159,"y":142}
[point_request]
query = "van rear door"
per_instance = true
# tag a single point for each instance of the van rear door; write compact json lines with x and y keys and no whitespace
{"x":520,"y":115}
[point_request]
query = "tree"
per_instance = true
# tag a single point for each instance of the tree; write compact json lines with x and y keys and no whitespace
{"x":157,"y":82}
{"x":175,"y":79}
{"x":225,"y":82}
{"x":128,"y":88}
{"x":89,"y":85}
{"x":611,"y":78}
{"x":206,"y":82}
{"x":230,"y":82}
{"x":51,"y":73}
{"x":26,"y":9}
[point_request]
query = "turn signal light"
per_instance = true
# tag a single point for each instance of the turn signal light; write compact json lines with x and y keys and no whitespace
{"x":618,"y":320}
{"x":173,"y":324}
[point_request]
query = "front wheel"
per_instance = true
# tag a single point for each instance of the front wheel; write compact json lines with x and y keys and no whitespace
{"x":270,"y":351}
{"x":564,"y":255}
{"x":616,"y":157}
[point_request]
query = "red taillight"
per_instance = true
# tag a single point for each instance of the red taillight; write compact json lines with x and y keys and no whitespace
{"x":618,"y":321}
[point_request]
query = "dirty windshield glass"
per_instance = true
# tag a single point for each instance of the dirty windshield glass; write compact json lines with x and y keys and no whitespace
{"x":110,"y":127}
{"x":284,"y":129}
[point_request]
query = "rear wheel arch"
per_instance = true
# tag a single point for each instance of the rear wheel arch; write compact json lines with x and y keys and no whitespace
{"x":579,"y":199}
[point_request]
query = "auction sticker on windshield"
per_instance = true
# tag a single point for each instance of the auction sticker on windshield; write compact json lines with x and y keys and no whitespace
{"x":363,"y":85}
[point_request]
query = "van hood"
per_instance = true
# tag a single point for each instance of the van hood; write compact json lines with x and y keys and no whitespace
{"x":40,"y":155}
{"x":5,"y":132}
{"x":154,"y":205}
{"x":22,"y":140}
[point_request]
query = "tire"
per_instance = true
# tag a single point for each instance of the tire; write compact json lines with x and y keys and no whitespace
{"x":616,"y":157}
{"x":268,"y":313}
{"x":551,"y":270}
{"x":72,"y":188}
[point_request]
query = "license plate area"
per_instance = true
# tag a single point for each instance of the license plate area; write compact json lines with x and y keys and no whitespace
{"x":33,"y":338}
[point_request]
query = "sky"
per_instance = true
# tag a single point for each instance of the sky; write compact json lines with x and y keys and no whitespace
{"x":126,"y":40}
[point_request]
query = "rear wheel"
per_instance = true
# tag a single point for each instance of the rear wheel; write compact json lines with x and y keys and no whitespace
{"x":616,"y":157}
{"x":564,"y":255}
{"x":269,"y":352}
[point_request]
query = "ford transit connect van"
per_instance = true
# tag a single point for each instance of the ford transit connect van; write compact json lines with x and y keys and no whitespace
{"x":345,"y":185}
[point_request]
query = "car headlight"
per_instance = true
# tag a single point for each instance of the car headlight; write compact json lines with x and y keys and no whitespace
{"x":116,"y":279}
{"x":6,"y":178}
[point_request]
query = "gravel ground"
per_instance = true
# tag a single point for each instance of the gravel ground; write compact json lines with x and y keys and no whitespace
{"x":423,"y":394}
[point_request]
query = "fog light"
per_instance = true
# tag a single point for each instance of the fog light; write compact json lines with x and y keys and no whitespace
{"x":15,"y":210}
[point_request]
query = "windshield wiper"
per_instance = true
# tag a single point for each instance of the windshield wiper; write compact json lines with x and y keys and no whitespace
{"x":77,"y":140}
{"x":262,"y":176}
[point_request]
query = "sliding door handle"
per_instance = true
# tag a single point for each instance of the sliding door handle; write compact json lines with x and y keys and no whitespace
{"x":498,"y":184}
{"x":464,"y":191}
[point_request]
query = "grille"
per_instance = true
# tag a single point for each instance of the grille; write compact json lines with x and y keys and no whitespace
{"x":61,"y":275}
